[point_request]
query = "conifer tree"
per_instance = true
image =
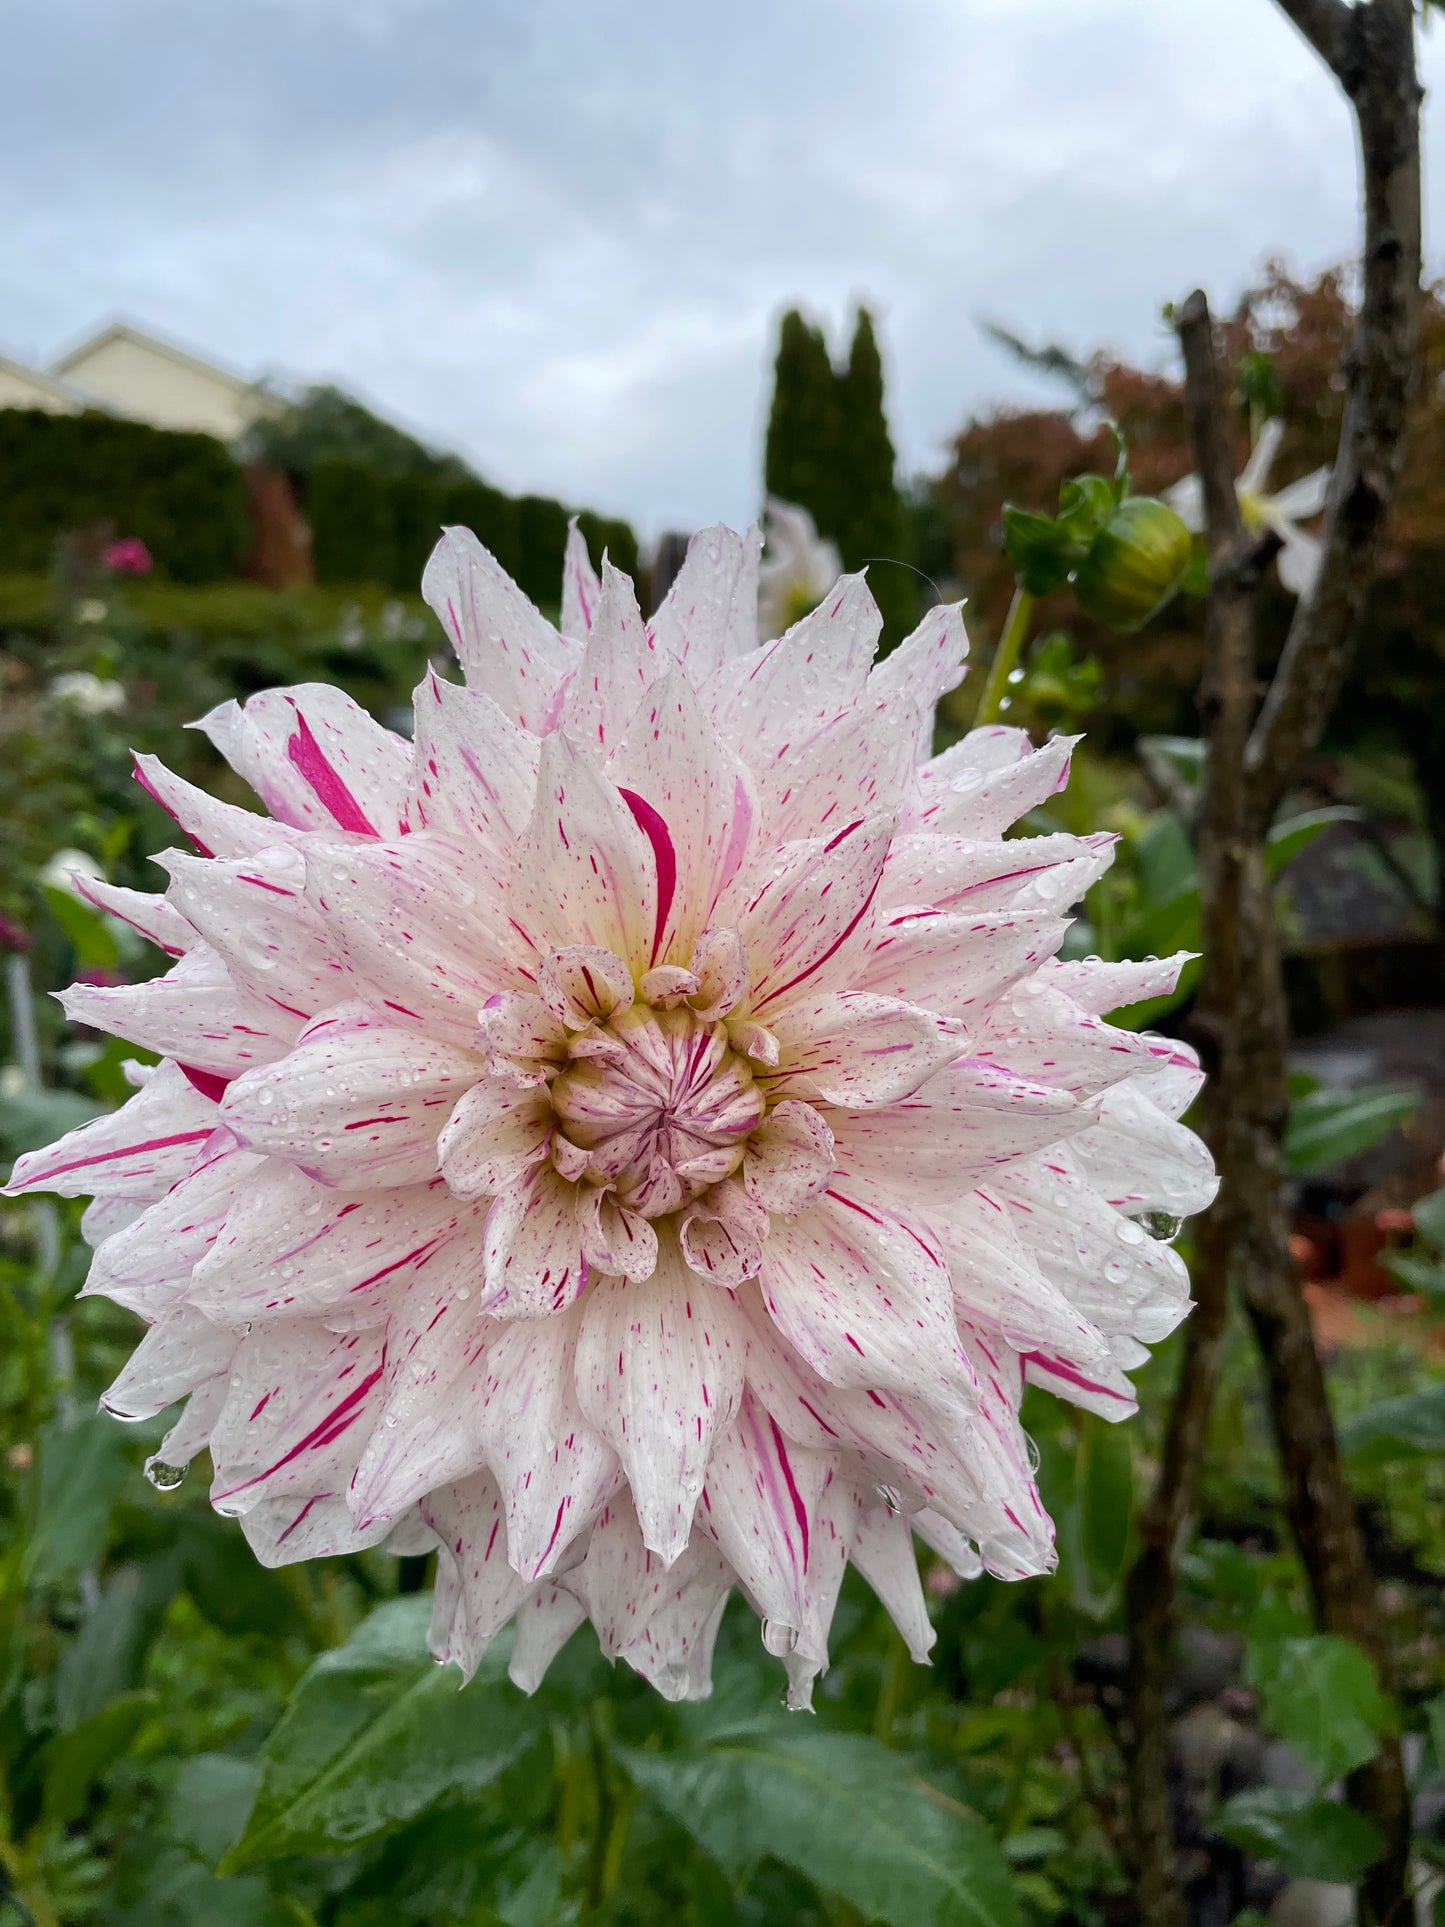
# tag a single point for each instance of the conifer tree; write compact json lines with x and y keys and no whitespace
{"x":872,"y":527}
{"x":800,"y":462}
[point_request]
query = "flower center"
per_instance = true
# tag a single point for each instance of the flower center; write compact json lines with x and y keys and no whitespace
{"x":661,"y":1104}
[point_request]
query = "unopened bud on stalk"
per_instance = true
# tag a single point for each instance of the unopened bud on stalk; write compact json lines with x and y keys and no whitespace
{"x":1134,"y":565}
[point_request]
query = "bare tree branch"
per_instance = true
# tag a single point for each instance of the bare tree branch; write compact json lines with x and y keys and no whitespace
{"x":1326,"y":26}
{"x":1372,"y":51}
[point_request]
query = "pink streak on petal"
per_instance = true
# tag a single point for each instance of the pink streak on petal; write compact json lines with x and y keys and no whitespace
{"x":209,"y":1083}
{"x":664,"y":855}
{"x":305,"y":754}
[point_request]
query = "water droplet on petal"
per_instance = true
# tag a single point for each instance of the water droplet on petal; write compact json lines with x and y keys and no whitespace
{"x":1129,"y":1232}
{"x":165,"y":1478}
{"x":1163,"y":1226}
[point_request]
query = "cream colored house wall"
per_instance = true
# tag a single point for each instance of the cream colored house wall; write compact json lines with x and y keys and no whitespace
{"x":168,"y":391}
{"x":20,"y":389}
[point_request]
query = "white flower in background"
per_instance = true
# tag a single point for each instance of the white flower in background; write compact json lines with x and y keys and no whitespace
{"x":1299,"y":556}
{"x":86,"y":694}
{"x":61,"y":872}
{"x":90,"y":609}
{"x":635,"y":1140}
{"x":797,"y":570}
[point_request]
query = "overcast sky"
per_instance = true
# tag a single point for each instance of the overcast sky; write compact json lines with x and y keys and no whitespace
{"x":556,"y":235}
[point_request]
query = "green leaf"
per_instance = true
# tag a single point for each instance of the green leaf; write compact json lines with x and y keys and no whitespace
{"x":107,"y":1656}
{"x":1409,"y":1427}
{"x":74,"y":1761}
{"x":1321,"y":1696}
{"x":842,"y":1810}
{"x":223,"y":1577}
{"x":1327,"y":1127}
{"x":29,"y":1119}
{"x":1296,"y":833}
{"x":1429,"y":1216}
{"x":89,"y":935}
{"x":1435,"y":1714}
{"x":81,"y":1471}
{"x":212,"y":1796}
{"x":1039,"y":553}
{"x":1106,"y":1499}
{"x":374,"y":1732}
{"x":1085,"y":505}
{"x":1425,"y":1275}
{"x":1310,"y":1837}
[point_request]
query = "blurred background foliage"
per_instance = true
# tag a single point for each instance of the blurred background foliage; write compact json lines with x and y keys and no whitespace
{"x":186,"y":1739}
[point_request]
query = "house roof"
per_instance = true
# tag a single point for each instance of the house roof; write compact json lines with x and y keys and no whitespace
{"x":142,"y":338}
{"x":51,"y":384}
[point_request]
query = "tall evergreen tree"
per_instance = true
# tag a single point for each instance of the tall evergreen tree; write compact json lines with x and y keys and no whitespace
{"x":872,"y":526}
{"x":800,"y":462}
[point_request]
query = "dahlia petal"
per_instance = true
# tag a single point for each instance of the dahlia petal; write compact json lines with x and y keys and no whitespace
{"x":553,"y":1470}
{"x":796,"y":924}
{"x":493,"y":1137}
{"x":192,"y":1430}
{"x":581,"y":589}
{"x":982,"y":752}
{"x":148,"y":1265}
{"x":474,"y":771}
{"x":721,"y":1233}
{"x":758,"y":1507}
{"x":997,"y":1282}
{"x":662,"y":1619}
{"x":619,"y":665}
{"x":926,"y":664}
{"x":667,"y":986}
{"x":967,"y":1118}
{"x":986,"y":804}
{"x":194,"y":1014}
{"x":506,"y":649}
{"x":1140,"y":1159}
{"x":948,"y":1542}
{"x":658,"y":1373}
{"x":709,"y":614}
{"x":545,"y":1621}
{"x":672,"y":756}
{"x":532,"y":1247}
{"x":178,"y":1353}
{"x":864,"y":1296}
{"x":139,"y":1151}
{"x":252,"y":911}
{"x":477,"y":1591}
{"x":882,"y":1550}
{"x":216,"y":828}
{"x":720,"y":964}
{"x":157,"y":920}
{"x":283,"y":1531}
{"x":434,"y":1346}
{"x":293,"y":1248}
{"x":1101,"y":1388}
{"x":585,"y":871}
{"x":615,"y":1240}
{"x":103,"y":1217}
{"x":831,"y":1529}
{"x":583,"y":984}
{"x":856,"y":1050}
{"x":301,"y":1404}
{"x":769,"y":700}
{"x":1013,"y":1532}
{"x":953,"y":963}
{"x":789,"y":1158}
{"x":858,"y":764}
{"x":357,"y":1102}
{"x":963,"y":873}
{"x":1039,"y":1033}
{"x":1172,"y":1085}
{"x":315,"y":758}
{"x":1100,"y":987}
{"x":1118,"y":1277}
{"x":524,"y":1042}
{"x":420,"y":921}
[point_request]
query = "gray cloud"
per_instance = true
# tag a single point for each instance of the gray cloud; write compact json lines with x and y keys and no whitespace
{"x":556,"y":236}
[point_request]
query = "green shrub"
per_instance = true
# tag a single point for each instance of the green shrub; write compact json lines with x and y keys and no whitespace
{"x":490,"y":515}
{"x":417,"y":517}
{"x":617,"y":539}
{"x":353,"y":529}
{"x":541,"y":540}
{"x":182,"y":494}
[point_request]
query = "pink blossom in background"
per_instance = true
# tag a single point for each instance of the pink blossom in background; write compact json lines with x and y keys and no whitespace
{"x":129,"y":556}
{"x":637,"y":1139}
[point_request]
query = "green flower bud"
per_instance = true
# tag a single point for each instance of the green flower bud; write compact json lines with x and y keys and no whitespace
{"x":1135,"y":564}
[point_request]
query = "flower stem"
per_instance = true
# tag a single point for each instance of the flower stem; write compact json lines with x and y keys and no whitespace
{"x":1005,"y":658}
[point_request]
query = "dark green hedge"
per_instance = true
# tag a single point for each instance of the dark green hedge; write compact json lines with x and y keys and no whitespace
{"x":368,"y":527}
{"x":181,"y":494}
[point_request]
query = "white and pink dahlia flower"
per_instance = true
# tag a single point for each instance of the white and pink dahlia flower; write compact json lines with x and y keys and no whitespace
{"x":636,"y":1139}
